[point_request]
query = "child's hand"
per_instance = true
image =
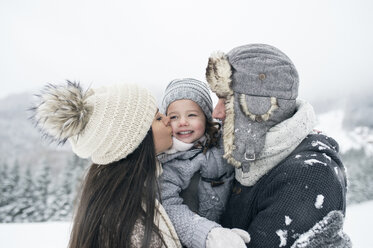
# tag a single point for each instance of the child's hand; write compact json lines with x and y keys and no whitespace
{"x":223,"y":237}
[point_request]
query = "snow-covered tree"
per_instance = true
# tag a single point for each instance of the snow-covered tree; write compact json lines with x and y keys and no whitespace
{"x":61,"y":200}
{"x":23,"y":208}
{"x":4,"y":186}
{"x":41,"y":194}
{"x":66,"y":191}
{"x":10,"y":183}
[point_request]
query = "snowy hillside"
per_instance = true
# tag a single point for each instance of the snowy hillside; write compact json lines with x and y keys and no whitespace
{"x":21,"y":142}
{"x":358,"y":226}
{"x":356,"y":146}
{"x":331,"y":123}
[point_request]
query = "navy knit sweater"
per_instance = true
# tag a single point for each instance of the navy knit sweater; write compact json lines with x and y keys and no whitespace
{"x":292,"y":197}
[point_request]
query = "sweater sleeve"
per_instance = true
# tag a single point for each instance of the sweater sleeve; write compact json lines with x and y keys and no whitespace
{"x":190,"y":227}
{"x":294,"y":199}
{"x":326,"y":233}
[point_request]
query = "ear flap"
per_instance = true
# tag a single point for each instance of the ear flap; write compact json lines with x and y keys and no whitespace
{"x":218,"y":74}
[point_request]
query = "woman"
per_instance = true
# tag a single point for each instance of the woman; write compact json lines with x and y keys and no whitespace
{"x":120,"y":128}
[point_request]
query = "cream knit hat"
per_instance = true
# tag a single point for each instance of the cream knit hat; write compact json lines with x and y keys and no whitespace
{"x":106,"y":124}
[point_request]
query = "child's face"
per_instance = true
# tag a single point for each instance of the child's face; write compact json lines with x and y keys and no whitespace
{"x":188,"y":121}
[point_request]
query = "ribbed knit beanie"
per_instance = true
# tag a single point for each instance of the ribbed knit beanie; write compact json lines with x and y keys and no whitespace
{"x":106,"y":124}
{"x":190,"y":89}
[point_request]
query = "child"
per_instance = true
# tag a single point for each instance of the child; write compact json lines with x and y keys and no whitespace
{"x":196,"y":180}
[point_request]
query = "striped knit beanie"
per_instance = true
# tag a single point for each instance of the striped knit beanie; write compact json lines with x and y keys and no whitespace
{"x":190,"y":89}
{"x":106,"y":124}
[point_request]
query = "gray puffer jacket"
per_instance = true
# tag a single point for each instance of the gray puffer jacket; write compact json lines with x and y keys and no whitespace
{"x":188,"y":174}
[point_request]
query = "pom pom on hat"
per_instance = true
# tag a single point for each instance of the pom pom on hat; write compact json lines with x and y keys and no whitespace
{"x":63,"y":111}
{"x":105,"y":124}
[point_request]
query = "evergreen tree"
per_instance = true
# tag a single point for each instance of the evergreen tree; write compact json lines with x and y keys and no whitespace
{"x":25,"y":204}
{"x":4,"y":186}
{"x":61,"y":204}
{"x":65,"y":194}
{"x":41,"y":194}
{"x":10,"y":183}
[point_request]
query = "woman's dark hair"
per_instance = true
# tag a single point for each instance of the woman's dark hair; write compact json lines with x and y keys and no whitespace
{"x":114,"y":197}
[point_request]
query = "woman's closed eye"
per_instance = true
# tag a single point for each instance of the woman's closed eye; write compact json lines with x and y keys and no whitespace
{"x":159,"y":117}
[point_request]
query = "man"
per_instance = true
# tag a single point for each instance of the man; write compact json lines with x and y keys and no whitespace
{"x":290,"y":184}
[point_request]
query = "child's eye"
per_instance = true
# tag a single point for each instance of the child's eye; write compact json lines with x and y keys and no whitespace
{"x":173,"y":117}
{"x":192,"y":115}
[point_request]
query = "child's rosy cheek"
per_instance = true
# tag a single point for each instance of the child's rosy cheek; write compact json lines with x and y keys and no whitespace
{"x":173,"y":126}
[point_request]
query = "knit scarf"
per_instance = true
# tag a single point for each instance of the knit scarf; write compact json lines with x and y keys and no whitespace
{"x":281,"y":140}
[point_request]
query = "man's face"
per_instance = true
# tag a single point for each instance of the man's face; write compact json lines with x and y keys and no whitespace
{"x":219,"y":110}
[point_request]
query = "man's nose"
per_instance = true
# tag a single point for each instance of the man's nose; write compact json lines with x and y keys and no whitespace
{"x":219,"y":110}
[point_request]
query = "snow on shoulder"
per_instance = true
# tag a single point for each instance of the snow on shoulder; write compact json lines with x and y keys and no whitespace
{"x":283,"y":234}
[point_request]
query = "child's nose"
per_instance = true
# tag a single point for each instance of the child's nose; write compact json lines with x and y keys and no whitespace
{"x":183,"y":122}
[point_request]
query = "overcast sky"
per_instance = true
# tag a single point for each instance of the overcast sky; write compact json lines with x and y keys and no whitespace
{"x":152,"y":42}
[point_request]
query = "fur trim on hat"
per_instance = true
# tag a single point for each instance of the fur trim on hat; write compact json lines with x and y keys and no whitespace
{"x":254,"y":117}
{"x":218,"y":74}
{"x":228,"y":132}
{"x":63,"y":111}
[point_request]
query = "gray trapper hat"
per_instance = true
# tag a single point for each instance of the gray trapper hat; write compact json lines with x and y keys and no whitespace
{"x":260,"y":84}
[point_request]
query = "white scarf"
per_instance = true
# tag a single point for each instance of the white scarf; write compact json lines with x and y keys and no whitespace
{"x":180,"y":146}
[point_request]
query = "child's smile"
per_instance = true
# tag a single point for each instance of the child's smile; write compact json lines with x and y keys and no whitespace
{"x":188,"y":121}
